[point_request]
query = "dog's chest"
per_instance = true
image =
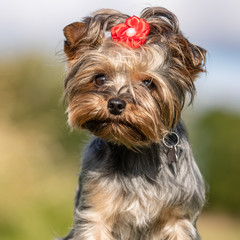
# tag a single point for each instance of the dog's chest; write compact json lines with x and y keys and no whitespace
{"x":142,"y":201}
{"x":129,"y":199}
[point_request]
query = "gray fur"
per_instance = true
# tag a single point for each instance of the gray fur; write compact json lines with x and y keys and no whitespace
{"x":131,"y":186}
{"x":148,"y":175}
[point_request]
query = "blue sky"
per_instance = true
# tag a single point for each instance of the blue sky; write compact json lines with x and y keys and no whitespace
{"x":28,"y":25}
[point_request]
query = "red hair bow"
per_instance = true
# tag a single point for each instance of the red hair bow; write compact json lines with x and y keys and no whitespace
{"x":133,"y":32}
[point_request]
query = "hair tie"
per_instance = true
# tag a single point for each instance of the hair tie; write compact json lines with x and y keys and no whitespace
{"x":133,"y":32}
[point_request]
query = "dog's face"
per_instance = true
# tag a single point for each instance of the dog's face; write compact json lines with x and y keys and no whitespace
{"x":129,"y":96}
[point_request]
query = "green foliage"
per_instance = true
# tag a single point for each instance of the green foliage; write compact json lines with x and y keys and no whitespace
{"x":217,"y":147}
{"x":34,"y":98}
{"x":40,"y":156}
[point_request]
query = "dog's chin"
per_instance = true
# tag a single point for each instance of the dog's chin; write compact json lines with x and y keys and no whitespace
{"x":117,"y":132}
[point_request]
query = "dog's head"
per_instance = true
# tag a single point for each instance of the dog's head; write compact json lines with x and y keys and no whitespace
{"x":127,"y":94}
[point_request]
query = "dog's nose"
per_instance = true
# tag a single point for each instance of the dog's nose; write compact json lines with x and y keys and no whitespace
{"x":116,"y":106}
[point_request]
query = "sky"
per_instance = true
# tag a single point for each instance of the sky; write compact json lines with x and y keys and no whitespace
{"x":36,"y":25}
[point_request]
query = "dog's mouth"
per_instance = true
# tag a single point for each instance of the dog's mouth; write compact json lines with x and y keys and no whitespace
{"x":93,"y":125}
{"x":115,"y":128}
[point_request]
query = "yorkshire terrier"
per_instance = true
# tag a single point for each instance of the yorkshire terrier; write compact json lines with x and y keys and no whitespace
{"x":127,"y":82}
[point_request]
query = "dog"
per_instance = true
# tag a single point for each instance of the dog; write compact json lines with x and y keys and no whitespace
{"x":127,"y":83}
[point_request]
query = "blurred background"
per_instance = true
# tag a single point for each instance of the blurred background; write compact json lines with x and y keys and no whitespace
{"x":40,"y":156}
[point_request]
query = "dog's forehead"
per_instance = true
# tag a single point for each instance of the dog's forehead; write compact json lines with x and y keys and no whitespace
{"x":147,"y":58}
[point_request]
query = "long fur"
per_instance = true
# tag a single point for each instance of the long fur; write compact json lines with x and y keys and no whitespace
{"x":128,"y":188}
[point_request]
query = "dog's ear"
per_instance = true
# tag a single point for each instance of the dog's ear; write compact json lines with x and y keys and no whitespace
{"x":90,"y":33}
{"x":187,"y":57}
{"x":191,"y":56}
{"x":74,"y":33}
{"x":80,"y":37}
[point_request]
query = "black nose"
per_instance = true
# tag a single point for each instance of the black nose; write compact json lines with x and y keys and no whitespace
{"x":116,"y":106}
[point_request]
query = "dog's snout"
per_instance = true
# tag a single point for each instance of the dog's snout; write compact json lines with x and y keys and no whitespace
{"x":116,"y":106}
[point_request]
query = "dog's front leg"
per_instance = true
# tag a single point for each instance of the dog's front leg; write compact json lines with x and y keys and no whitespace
{"x":89,"y":226}
{"x":176,"y":229}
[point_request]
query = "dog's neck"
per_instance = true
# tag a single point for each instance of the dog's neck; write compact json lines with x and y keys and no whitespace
{"x":144,"y":162}
{"x":111,"y":158}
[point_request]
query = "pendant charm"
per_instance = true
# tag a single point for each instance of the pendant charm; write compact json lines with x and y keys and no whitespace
{"x":172,"y":155}
{"x":171,"y":140}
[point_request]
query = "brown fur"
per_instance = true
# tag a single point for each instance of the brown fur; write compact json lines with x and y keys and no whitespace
{"x":89,"y":53}
{"x":161,"y":204}
{"x":107,"y":204}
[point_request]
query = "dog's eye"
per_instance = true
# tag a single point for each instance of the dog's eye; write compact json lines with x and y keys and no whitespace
{"x":148,"y":83}
{"x":100,"y":80}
